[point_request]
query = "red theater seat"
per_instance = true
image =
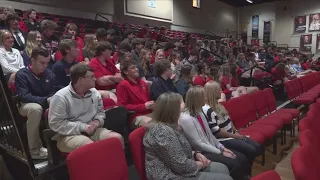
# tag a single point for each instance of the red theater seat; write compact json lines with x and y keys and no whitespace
{"x":138,"y":154}
{"x":268,"y":175}
{"x":101,"y":160}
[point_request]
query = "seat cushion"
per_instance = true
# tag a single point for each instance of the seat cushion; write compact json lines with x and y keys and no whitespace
{"x":286,"y":117}
{"x":267,"y":130}
{"x":305,"y":99}
{"x":256,"y":136}
{"x":294,"y":112}
{"x":277,"y":122}
{"x":268,"y":175}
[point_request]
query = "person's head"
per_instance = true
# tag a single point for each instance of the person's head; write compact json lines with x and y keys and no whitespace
{"x":146,"y":27}
{"x":213,"y":93}
{"x":33,"y":40}
{"x":101,"y":34}
{"x":168,"y":108}
{"x":90,"y":40}
{"x":195,"y":99}
{"x":199,"y":44}
{"x":193,"y":56}
{"x":129,"y":33}
{"x":225,"y":69}
{"x":32,"y":14}
{"x":2,"y":14}
{"x":214,"y":73}
{"x":169,"y":46}
{"x":104,"y":50}
{"x":280,"y":67}
{"x":110,"y":34}
{"x":124,"y":54}
{"x":251,"y":57}
{"x":163,"y":30}
{"x":162,"y":69}
{"x":213,"y":45}
{"x":71,"y":29}
{"x":129,"y":69}
{"x":82,"y":76}
{"x":136,"y":44}
{"x":145,"y":55}
{"x":125,"y":46}
{"x":69,"y":47}
{"x":205,"y":56}
{"x":202,"y":68}
{"x":39,"y":60}
{"x":186,"y":73}
{"x":48,"y":27}
{"x":160,"y":55}
{"x":6,"y":39}
{"x":241,"y":57}
{"x":13,"y":21}
{"x":231,"y":58}
{"x":222,"y":49}
{"x":175,"y":57}
{"x":177,"y":43}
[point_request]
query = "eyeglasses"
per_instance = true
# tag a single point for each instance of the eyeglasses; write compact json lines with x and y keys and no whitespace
{"x":90,"y":77}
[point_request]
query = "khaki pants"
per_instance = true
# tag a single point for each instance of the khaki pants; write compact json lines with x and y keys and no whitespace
{"x":69,"y":143}
{"x":33,"y":112}
{"x":142,"y":120}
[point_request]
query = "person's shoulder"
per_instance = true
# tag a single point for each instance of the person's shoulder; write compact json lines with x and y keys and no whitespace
{"x":185,"y":116}
{"x":22,"y":72}
{"x":95,"y":93}
{"x":93,"y":62}
{"x":14,"y":50}
{"x":64,"y":92}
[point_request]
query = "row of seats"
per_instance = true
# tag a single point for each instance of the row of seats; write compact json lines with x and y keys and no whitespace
{"x":305,"y":160}
{"x":107,"y":160}
{"x":89,"y":25}
{"x":255,"y":115}
{"x":304,"y":90}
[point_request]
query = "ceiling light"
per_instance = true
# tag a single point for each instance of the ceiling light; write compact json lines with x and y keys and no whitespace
{"x":249,"y":1}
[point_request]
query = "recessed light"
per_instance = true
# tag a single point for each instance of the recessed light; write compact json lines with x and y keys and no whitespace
{"x":249,"y":1}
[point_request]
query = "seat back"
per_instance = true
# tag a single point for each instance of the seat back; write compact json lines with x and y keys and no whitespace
{"x":270,"y":99}
{"x":304,"y":165}
{"x":297,"y":87}
{"x":101,"y":160}
{"x":261,"y":102}
{"x":309,"y":138}
{"x":138,"y":153}
{"x":268,"y":175}
{"x":242,"y":110}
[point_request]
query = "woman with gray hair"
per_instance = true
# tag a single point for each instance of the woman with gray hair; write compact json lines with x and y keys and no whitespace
{"x":10,"y":59}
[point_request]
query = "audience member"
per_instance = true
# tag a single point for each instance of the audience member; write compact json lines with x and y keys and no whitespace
{"x":133,"y":93}
{"x":49,"y":40}
{"x":192,"y":60}
{"x":61,"y":69}
{"x":160,"y":55}
{"x":19,"y":36}
{"x":3,"y":24}
{"x":35,"y":86}
{"x":184,"y":82}
{"x":145,"y":57}
{"x":168,"y":48}
{"x":222,"y":127}
{"x":201,"y":79}
{"x":168,"y":152}
{"x":129,"y":35}
{"x":76,"y":112}
{"x":72,"y":30}
{"x":34,"y":40}
{"x":137,"y":45}
{"x":31,"y":22}
{"x":162,"y":82}
{"x":10,"y":58}
{"x":199,"y":135}
{"x":89,"y":50}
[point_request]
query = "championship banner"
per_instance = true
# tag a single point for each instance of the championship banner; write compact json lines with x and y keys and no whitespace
{"x":255,"y":26}
{"x":314,"y":22}
{"x":266,"y":31}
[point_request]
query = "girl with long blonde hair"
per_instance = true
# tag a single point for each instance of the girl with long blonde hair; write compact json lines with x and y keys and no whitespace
{"x":145,"y":58}
{"x":89,"y":50}
{"x":222,"y":127}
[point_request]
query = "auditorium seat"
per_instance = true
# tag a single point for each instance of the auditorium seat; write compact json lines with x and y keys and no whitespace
{"x":138,"y":153}
{"x":268,"y":175}
{"x":101,"y":160}
{"x":304,"y":164}
{"x":309,"y":138}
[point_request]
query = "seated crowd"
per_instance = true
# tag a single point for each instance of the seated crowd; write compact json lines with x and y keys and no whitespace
{"x":170,"y":90}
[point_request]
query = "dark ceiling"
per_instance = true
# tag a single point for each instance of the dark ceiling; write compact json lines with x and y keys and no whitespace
{"x":240,"y":3}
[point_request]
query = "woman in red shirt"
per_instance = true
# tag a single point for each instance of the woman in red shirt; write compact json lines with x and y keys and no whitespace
{"x":279,"y":74}
{"x":201,"y":79}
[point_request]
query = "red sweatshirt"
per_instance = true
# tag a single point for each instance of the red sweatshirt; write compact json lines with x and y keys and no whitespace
{"x":133,"y":96}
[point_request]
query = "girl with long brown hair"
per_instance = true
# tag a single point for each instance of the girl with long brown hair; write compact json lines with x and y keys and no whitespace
{"x":145,"y":58}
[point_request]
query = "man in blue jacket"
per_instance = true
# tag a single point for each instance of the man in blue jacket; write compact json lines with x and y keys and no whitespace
{"x":34,"y":85}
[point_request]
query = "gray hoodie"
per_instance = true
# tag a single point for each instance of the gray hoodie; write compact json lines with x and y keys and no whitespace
{"x":69,"y":113}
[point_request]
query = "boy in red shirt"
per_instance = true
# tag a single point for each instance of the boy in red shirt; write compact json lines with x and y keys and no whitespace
{"x":133,"y":93}
{"x":106,"y":73}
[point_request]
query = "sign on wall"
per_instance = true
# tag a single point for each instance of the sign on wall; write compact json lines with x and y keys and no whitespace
{"x":314,"y":22}
{"x":152,"y":3}
{"x":306,"y":42}
{"x":266,"y":31}
{"x":300,"y":24}
{"x":318,"y":42}
{"x":255,"y":26}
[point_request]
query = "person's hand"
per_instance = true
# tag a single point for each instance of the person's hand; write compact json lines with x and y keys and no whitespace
{"x":149,"y":104}
{"x":239,"y":136}
{"x":149,"y":83}
{"x":173,"y":76}
{"x":229,"y":153}
{"x":200,"y":157}
{"x":89,"y":129}
{"x":200,"y":164}
{"x":95,"y":124}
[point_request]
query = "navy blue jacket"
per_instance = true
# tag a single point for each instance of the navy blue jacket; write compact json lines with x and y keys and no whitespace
{"x":26,"y":58}
{"x":34,"y":89}
{"x":182,"y":87}
{"x":61,"y":70}
{"x":160,"y":86}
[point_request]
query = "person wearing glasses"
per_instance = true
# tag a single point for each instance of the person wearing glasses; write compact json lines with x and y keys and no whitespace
{"x":76,"y":112}
{"x":35,"y":86}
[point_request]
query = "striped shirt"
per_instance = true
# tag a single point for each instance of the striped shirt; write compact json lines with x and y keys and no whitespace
{"x":216,"y":124}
